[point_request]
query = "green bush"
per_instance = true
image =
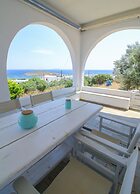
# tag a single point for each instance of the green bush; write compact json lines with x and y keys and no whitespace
{"x":87,"y":81}
{"x":97,"y":79}
{"x":41,"y":85}
{"x":34,"y":84}
{"x":101,"y":78}
{"x":66,"y":83}
{"x":15,"y":89}
{"x":28,"y":86}
{"x":53,"y":83}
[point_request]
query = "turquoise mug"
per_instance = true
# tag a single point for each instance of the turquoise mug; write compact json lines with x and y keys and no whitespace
{"x":68,"y":104}
{"x":27,"y":119}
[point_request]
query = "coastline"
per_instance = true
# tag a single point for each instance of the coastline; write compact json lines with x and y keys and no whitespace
{"x":24,"y":74}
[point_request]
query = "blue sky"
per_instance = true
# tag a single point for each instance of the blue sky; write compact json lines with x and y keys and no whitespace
{"x":39,"y":47}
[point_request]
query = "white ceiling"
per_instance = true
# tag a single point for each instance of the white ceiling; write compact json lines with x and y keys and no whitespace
{"x":85,"y":11}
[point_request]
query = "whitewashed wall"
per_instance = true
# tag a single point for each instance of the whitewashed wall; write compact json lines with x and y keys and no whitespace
{"x":14,"y":15}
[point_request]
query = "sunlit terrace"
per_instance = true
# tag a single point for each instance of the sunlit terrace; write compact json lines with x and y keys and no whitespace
{"x":73,"y":140}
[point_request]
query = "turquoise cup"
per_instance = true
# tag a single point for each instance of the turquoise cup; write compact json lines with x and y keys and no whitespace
{"x":68,"y":104}
{"x":27,"y":119}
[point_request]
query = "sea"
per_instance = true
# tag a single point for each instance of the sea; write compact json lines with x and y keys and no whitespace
{"x":24,"y":73}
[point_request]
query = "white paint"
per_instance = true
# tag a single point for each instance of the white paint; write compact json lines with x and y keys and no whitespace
{"x":63,"y":92}
{"x":121,"y":93}
{"x":110,"y":97}
{"x":19,"y":156}
{"x":11,"y":131}
{"x":79,"y":43}
{"x":135,"y":100}
{"x":20,"y":15}
{"x":90,"y":38}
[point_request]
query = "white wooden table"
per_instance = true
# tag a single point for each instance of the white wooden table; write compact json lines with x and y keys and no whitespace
{"x":20,"y":149}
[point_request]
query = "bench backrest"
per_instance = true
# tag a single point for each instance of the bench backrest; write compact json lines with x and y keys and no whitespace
{"x":128,"y":180}
{"x":39,"y":98}
{"x":9,"y":105}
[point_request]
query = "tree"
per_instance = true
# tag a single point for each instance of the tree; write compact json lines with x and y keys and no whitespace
{"x":15,"y":89}
{"x":127,"y":69}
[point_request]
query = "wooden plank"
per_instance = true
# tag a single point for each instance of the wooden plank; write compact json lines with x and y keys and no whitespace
{"x":45,"y":107}
{"x":105,"y":142}
{"x":20,"y":155}
{"x":102,"y":150}
{"x":14,"y":132}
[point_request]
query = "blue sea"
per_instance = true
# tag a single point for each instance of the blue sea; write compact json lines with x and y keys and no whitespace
{"x":21,"y":74}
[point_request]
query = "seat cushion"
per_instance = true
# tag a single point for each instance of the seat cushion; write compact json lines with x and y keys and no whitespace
{"x":77,"y":178}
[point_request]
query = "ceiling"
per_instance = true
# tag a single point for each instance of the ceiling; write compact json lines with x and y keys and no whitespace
{"x":85,"y":13}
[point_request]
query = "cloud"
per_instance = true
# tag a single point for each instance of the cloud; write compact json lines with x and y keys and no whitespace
{"x":43,"y":51}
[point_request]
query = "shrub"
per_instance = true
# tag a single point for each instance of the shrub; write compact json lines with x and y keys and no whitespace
{"x":41,"y":85}
{"x":67,"y":83}
{"x":15,"y":89}
{"x":28,"y":86}
{"x":53,"y":83}
{"x":87,"y":81}
{"x":101,"y":78}
{"x":97,"y":79}
{"x":34,"y":84}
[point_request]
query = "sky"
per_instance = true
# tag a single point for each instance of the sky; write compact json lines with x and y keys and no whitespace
{"x":39,"y":47}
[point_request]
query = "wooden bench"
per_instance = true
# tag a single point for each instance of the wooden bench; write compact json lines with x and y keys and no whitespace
{"x":105,"y":99}
{"x":106,"y":96}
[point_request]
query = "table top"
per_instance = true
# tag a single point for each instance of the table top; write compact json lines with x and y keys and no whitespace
{"x":20,"y":149}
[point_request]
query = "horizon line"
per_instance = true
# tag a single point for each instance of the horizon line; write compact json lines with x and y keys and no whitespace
{"x":60,"y":69}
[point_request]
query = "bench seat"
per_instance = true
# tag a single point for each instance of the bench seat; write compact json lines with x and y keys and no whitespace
{"x":106,"y":99}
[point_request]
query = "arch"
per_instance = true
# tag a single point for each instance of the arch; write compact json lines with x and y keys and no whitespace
{"x":98,"y":34}
{"x":54,"y":36}
{"x":57,"y":30}
{"x":102,"y":33}
{"x":28,"y":15}
{"x":103,"y":37}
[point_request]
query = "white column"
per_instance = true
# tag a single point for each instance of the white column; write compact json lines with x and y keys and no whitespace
{"x":4,"y":91}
